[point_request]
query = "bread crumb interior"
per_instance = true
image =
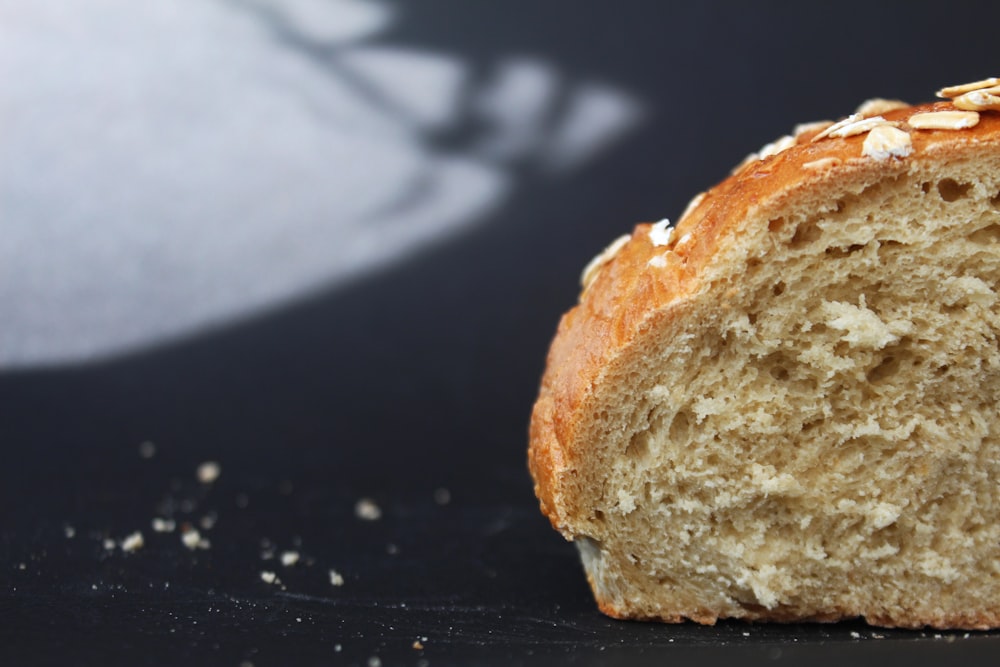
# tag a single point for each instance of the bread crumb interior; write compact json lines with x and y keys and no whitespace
{"x":823,"y":434}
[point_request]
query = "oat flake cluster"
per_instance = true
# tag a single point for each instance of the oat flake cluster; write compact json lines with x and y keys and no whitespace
{"x":884,"y":140}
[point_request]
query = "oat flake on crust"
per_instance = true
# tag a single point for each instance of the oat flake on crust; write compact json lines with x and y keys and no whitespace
{"x":961,"y":89}
{"x":944,"y":120}
{"x":886,"y":141}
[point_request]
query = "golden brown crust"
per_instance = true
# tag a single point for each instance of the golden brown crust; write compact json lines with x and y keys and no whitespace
{"x":627,"y":295}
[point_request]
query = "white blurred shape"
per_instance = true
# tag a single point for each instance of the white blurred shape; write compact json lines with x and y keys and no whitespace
{"x":331,"y":21}
{"x":516,"y":104}
{"x":174,"y":165}
{"x":597,"y":116}
{"x":428,"y":94}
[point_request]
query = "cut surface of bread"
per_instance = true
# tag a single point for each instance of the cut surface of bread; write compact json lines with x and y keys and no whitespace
{"x":787,"y":407}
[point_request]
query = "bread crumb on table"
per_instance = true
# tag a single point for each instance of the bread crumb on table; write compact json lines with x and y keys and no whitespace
{"x":367,"y":510}
{"x":192,"y":539}
{"x":208,"y":472}
{"x":133,"y":542}
{"x":442,"y":496}
{"x":163,"y":525}
{"x":289,"y":558}
{"x":336,"y":579}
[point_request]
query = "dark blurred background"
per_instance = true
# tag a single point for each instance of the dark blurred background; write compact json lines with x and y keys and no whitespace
{"x":325,"y":243}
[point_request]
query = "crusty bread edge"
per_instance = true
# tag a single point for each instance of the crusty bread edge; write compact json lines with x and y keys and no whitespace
{"x":627,"y":295}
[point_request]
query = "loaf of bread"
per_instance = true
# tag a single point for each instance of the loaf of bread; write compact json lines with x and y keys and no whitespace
{"x":786,"y":407}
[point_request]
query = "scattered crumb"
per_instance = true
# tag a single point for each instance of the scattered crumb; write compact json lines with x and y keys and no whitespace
{"x":856,"y":635}
{"x":442,"y":496}
{"x":746,"y":634}
{"x":70,"y":532}
{"x":336,"y":579}
{"x":133,"y":542}
{"x":374,"y":661}
{"x":207,"y":522}
{"x":289,"y":558}
{"x":109,"y":544}
{"x":208,"y":472}
{"x":337,"y":648}
{"x":93,"y":587}
{"x":269,"y":577}
{"x":246,"y":663}
{"x":22,"y":566}
{"x":192,"y":539}
{"x":147,"y":449}
{"x":267,"y":554}
{"x":163,"y":525}
{"x":367,"y":510}
{"x":418,"y":646}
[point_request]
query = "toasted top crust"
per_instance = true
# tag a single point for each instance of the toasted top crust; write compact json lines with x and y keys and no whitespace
{"x":628,"y":294}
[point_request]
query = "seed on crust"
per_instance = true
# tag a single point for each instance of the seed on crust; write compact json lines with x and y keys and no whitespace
{"x":822,"y":163}
{"x":944,"y":120}
{"x":849,"y":124}
{"x":877,"y":106}
{"x":813,"y":126}
{"x":886,"y":141}
{"x":853,"y":118}
{"x":594,"y":266}
{"x":978,"y":100}
{"x":956,"y":91}
{"x":661,"y":233}
{"x":776,"y":146}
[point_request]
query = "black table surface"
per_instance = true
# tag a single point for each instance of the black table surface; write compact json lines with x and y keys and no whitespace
{"x":410,"y":387}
